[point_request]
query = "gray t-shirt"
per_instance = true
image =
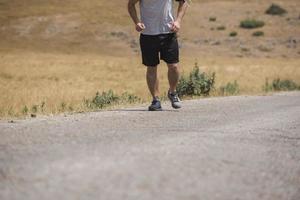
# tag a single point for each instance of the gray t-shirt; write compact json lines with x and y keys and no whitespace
{"x":157,"y":15}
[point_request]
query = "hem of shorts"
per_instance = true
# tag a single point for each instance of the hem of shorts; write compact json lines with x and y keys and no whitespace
{"x":172,"y":62}
{"x":150,"y":65}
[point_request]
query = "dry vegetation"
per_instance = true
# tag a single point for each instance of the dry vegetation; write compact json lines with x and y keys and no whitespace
{"x":60,"y":52}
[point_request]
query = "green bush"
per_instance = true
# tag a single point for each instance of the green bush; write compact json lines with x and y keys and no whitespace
{"x":258,"y":34}
{"x":275,"y":10}
{"x":251,"y":24}
{"x":280,"y":85}
{"x":230,"y":89}
{"x":104,"y":99}
{"x":212,"y":19}
{"x":25,"y":110}
{"x":129,"y":98}
{"x":284,"y":85}
{"x":221,"y":28}
{"x":196,"y":83}
{"x":233,"y":34}
{"x":34,"y":108}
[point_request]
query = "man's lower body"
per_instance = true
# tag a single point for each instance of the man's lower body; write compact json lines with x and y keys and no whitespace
{"x":155,"y":48}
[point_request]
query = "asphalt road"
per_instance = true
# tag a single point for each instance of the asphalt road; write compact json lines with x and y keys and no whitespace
{"x":217,"y":148}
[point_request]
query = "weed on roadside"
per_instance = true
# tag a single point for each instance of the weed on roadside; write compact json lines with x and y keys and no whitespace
{"x":105,"y":99}
{"x":196,"y":83}
{"x":230,"y":89}
{"x":280,"y":85}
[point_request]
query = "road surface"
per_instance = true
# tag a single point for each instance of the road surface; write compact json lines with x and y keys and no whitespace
{"x":245,"y":147}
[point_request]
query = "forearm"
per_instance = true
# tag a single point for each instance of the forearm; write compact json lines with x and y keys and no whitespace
{"x":183,"y":5}
{"x":132,"y":11}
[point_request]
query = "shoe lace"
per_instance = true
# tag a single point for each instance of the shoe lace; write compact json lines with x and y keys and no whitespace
{"x":175,"y":97}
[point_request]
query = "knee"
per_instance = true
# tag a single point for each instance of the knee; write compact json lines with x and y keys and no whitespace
{"x":173,"y":67}
{"x":151,"y":71}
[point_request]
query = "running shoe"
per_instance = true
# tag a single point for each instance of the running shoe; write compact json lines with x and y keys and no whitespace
{"x":173,"y":96}
{"x":155,"y":105}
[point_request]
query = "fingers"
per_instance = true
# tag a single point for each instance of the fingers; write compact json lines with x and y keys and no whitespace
{"x":140,"y":27}
{"x":175,"y":27}
{"x":143,"y":26}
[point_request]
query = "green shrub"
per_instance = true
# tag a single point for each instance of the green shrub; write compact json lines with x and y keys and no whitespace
{"x":284,"y":85}
{"x":233,"y":34}
{"x":104,"y":99}
{"x":267,"y":87}
{"x":212,"y":19}
{"x":196,"y":83}
{"x":34,"y":108}
{"x":280,"y":85}
{"x":251,"y":24}
{"x":63,"y":107}
{"x":129,"y":98}
{"x":258,"y":34}
{"x":25,"y":110}
{"x":43,"y":105}
{"x":230,"y":89}
{"x":275,"y":10}
{"x":221,"y":28}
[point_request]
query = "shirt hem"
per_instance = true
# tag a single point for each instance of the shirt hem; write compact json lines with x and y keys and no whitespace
{"x":159,"y":33}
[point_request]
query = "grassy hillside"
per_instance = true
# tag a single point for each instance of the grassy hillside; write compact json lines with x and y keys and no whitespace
{"x":104,"y":27}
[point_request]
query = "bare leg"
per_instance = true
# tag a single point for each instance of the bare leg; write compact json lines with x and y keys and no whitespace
{"x":173,"y":76}
{"x":152,"y":81}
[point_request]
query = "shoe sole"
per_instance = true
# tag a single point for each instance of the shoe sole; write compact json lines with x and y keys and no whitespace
{"x":154,"y":109}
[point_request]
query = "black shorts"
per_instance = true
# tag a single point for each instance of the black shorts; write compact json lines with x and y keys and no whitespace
{"x":156,"y":47}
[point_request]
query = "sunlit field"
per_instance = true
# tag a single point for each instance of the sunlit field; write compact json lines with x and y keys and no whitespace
{"x":32,"y":79}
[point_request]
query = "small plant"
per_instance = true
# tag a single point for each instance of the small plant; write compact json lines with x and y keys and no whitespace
{"x":25,"y":110}
{"x":34,"y":108}
{"x":230,"y":89}
{"x":70,"y":108}
{"x":265,"y":48}
{"x":258,"y":34}
{"x":63,"y":107}
{"x":275,"y":10}
{"x":221,"y":28}
{"x":284,"y":85}
{"x":197,"y":83}
{"x":212,"y":19}
{"x":251,"y":24}
{"x":280,"y":85}
{"x":245,"y":49}
{"x":233,"y":34}
{"x":43,"y":105}
{"x":104,"y":99}
{"x":129,"y":98}
{"x":267,"y":87}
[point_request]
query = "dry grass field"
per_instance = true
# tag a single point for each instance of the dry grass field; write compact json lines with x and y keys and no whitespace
{"x":60,"y":52}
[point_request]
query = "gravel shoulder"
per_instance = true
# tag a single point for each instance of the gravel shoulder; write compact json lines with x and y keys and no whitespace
{"x":244,"y":147}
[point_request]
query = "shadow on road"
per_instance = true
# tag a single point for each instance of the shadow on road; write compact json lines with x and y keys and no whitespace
{"x":144,"y":110}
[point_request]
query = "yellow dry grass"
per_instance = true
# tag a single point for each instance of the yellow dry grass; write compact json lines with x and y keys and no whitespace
{"x":41,"y":57}
{"x":28,"y":79}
